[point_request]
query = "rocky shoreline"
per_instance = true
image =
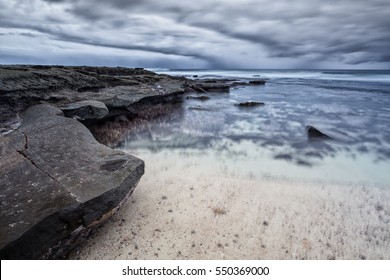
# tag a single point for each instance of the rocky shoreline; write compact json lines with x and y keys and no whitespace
{"x":57,"y":181}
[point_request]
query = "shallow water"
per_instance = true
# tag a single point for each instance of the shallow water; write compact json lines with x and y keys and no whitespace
{"x":353,"y":107}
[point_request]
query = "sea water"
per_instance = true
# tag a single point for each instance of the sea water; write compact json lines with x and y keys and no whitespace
{"x":270,"y":141}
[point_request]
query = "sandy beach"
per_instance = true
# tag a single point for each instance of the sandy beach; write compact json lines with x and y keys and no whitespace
{"x":185,"y":212}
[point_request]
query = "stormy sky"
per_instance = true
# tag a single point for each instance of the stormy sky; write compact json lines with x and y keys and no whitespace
{"x":350,"y":34}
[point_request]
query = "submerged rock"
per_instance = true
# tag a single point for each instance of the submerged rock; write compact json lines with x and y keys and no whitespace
{"x":85,"y":110}
{"x":250,"y":104}
{"x":202,"y":97}
{"x":250,"y":83}
{"x":57,"y":182}
{"x":257,"y":82}
{"x":314,"y":133}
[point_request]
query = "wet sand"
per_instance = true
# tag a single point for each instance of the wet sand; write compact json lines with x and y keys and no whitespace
{"x":181,"y":211}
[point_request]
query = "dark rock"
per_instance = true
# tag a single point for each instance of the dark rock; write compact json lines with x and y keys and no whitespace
{"x":195,"y":76}
{"x":117,"y":87}
{"x":202,"y":97}
{"x":193,"y":88}
{"x":85,"y":110}
{"x":214,"y":87}
{"x":250,"y":104}
{"x":250,"y":83}
{"x":57,"y":182}
{"x":257,"y":82}
{"x":314,"y":133}
{"x":237,"y":84}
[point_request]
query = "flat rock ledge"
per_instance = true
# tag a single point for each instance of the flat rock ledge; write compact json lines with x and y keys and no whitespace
{"x":57,"y":182}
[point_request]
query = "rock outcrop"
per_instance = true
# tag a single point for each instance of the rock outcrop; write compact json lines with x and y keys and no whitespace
{"x":314,"y":133}
{"x":57,"y":182}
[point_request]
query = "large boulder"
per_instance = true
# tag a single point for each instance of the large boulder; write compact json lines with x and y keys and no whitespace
{"x":56,"y":183}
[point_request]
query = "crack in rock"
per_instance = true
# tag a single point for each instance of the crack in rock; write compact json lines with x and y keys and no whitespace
{"x":24,"y":154}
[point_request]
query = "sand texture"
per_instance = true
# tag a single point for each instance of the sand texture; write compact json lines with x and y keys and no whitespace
{"x":181,"y":211}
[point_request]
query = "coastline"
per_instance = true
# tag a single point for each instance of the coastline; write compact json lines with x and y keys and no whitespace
{"x":184,"y":212}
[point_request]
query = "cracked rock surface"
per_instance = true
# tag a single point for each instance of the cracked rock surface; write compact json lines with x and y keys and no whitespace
{"x":56,"y":182}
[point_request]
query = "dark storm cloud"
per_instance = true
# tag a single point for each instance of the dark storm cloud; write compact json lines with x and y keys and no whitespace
{"x":221,"y":33}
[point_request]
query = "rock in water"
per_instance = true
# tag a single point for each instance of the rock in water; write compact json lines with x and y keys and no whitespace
{"x":202,"y":97}
{"x":250,"y":104}
{"x":215,"y":86}
{"x":86,"y":110}
{"x":57,"y":182}
{"x":257,"y":82}
{"x":314,"y":133}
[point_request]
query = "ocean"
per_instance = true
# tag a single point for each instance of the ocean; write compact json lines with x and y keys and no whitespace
{"x":270,"y":141}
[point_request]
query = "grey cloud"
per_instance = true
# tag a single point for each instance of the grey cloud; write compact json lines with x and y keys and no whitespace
{"x":346,"y":31}
{"x":26,"y":34}
{"x":321,"y":18}
{"x":167,"y":50}
{"x":61,"y":35}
